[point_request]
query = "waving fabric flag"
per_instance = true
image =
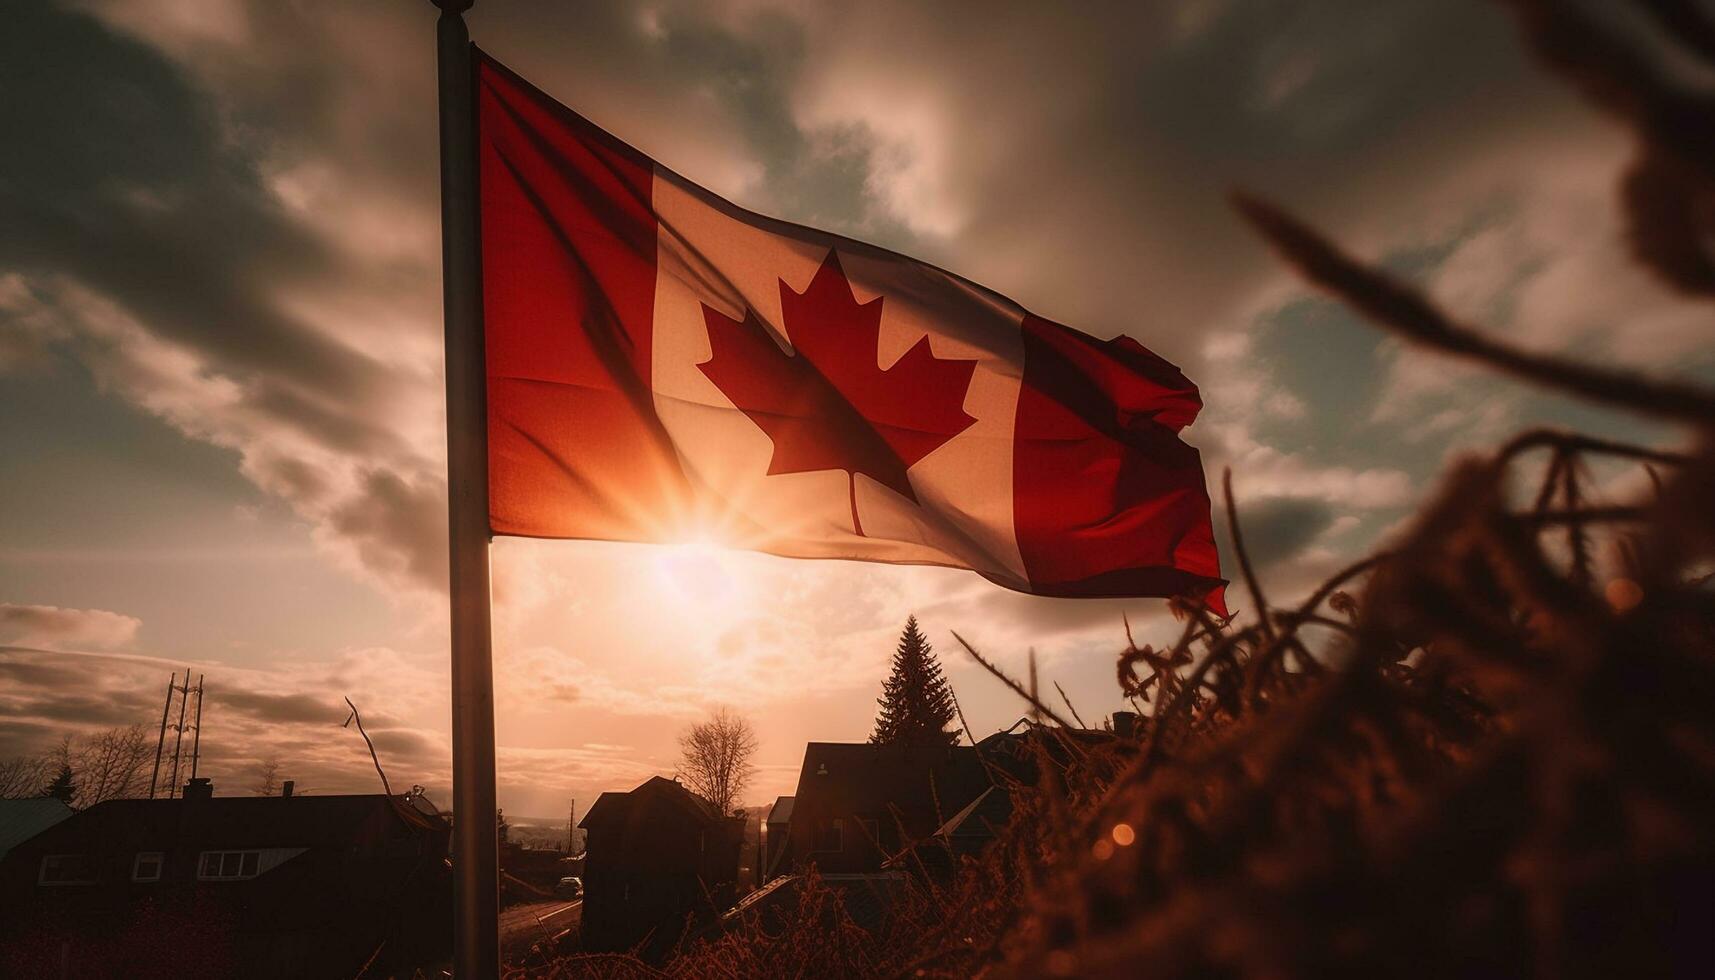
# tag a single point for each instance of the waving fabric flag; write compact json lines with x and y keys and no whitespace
{"x":664,"y":365}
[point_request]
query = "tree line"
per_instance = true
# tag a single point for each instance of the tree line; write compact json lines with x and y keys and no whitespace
{"x":110,"y":765}
{"x":115,"y":764}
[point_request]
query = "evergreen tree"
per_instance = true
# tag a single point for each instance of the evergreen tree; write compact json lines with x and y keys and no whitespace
{"x":61,"y":788}
{"x":916,"y":703}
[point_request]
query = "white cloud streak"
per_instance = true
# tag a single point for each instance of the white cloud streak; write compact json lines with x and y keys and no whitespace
{"x":52,"y":626}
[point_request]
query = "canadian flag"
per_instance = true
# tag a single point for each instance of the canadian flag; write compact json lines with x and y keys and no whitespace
{"x":663,"y":365}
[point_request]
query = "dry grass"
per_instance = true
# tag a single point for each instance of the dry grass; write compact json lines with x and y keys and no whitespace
{"x":1488,"y":750}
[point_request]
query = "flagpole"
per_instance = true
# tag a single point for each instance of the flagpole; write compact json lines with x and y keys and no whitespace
{"x":476,"y":868}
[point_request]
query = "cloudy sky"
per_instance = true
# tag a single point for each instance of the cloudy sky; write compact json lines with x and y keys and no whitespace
{"x":220,"y":403}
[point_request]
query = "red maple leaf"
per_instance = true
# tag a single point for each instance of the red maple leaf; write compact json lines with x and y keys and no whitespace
{"x":827,"y":406}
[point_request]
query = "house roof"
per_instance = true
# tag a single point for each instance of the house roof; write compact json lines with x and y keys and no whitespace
{"x":867,"y":898}
{"x":781,"y":811}
{"x":21,"y":820}
{"x":1017,"y":750}
{"x":236,"y":822}
{"x":977,"y":819}
{"x":925,"y":784}
{"x":614,"y":806}
{"x":607,"y":806}
{"x":1025,"y":728}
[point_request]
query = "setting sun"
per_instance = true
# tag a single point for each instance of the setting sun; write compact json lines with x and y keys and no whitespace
{"x":698,"y":572}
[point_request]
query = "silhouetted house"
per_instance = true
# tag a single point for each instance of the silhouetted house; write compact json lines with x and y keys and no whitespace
{"x":774,"y":842}
{"x":1013,"y":759}
{"x":1017,"y":753}
{"x":21,"y":820}
{"x":858,"y":803}
{"x":657,"y":859}
{"x":299,"y":886}
{"x":869,"y":818}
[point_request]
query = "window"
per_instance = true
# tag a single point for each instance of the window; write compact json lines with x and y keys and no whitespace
{"x":67,"y":869}
{"x":228,"y":865}
{"x":147,"y":867}
{"x":831,"y":836}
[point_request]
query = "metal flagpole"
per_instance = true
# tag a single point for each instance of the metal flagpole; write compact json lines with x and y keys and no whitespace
{"x":476,"y":863}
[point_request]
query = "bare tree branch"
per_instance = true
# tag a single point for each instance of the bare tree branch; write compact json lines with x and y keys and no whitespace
{"x":267,"y":777}
{"x":373,"y":757}
{"x":717,"y":754}
{"x":24,"y":776}
{"x":110,"y":765}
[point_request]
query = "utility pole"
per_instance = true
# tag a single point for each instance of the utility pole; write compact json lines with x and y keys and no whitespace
{"x":179,"y":729}
{"x":196,"y":740}
{"x":161,"y":740}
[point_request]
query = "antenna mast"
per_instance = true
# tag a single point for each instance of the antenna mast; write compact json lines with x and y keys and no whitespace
{"x":161,"y":740}
{"x":196,"y":740}
{"x":179,"y":738}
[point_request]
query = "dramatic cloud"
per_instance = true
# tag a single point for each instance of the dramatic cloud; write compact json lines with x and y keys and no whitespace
{"x":297,"y":192}
{"x":142,"y":237}
{"x":51,"y":626}
{"x":291,"y":715}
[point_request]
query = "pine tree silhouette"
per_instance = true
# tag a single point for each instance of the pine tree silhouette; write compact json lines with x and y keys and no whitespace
{"x":61,"y":788}
{"x":916,"y":703}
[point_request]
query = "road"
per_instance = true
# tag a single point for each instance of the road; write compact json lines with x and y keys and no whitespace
{"x":533,"y":922}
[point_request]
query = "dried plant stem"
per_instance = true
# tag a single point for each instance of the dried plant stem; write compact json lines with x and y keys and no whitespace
{"x":366,"y":740}
{"x":1068,"y":701}
{"x":1403,"y":309}
{"x":1251,"y":582}
{"x":1016,"y":687}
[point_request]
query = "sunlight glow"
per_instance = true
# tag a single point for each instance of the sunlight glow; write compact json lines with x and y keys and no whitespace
{"x":696,"y":572}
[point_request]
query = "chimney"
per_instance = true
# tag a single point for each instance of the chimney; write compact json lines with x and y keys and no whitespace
{"x":286,"y":788}
{"x":1125,"y":724}
{"x":199,"y":788}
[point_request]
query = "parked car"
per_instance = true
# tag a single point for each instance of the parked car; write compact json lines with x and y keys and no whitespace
{"x":570,"y":887}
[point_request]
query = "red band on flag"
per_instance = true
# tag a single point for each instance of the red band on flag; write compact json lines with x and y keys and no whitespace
{"x":1108,"y":500}
{"x":568,"y":259}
